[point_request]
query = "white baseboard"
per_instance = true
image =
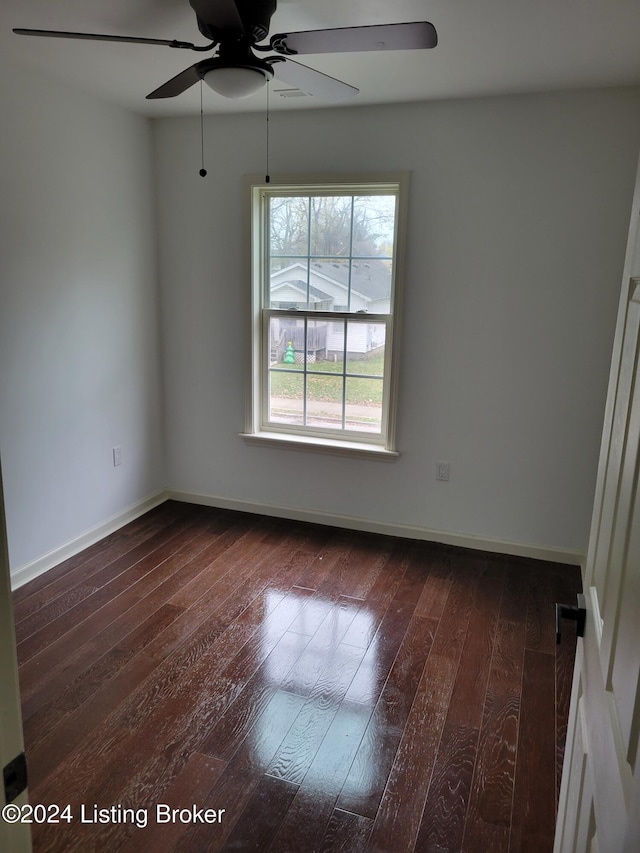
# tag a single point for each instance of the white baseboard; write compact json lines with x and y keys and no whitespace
{"x":89,"y":537}
{"x":479,"y":543}
{"x":95,"y":534}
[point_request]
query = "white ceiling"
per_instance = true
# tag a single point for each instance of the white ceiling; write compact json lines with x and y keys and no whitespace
{"x":486,"y":47}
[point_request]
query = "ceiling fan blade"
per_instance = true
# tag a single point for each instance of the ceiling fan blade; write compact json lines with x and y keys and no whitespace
{"x":312,"y":82}
{"x":218,"y":14}
{"x":100,"y":37}
{"x":414,"y":36}
{"x":177,"y":85}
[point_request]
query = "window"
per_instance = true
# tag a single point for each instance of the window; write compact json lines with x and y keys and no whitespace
{"x":325,"y":297}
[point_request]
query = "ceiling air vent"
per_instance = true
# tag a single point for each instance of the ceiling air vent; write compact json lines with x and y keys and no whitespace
{"x":291,"y":93}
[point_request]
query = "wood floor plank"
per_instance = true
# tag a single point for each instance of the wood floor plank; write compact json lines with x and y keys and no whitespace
{"x":193,"y":662}
{"x":243,"y":549}
{"x":367,"y":778}
{"x":470,"y":687}
{"x":433,"y":597}
{"x":236,"y":722}
{"x":298,"y":750}
{"x":338,"y":674}
{"x":329,"y":689}
{"x":400,"y":811}
{"x":190,"y":787}
{"x":366,"y":623}
{"x":306,"y":821}
{"x":541,"y":609}
{"x":96,"y":598}
{"x":224,"y":593}
{"x":323,"y":647}
{"x":105,"y":668}
{"x":454,"y":623}
{"x":533,"y":820}
{"x":479,"y":836}
{"x":356,"y":573}
{"x":279,"y":610}
{"x":180,"y":705}
{"x":491,"y":797}
{"x":256,"y":752}
{"x":61,"y":613}
{"x":311,"y":613}
{"x":378,"y":660}
{"x":245,"y":770}
{"x":411,"y":585}
{"x":82,"y":645}
{"x":398,"y":818}
{"x":47,"y":755}
{"x":179,"y":722}
{"x":78,"y":691}
{"x":388,"y":582}
{"x":443,"y":819}
{"x":259,"y":822}
{"x":346,"y":833}
{"x":325,"y":561}
{"x":399,"y":691}
{"x":515,"y":595}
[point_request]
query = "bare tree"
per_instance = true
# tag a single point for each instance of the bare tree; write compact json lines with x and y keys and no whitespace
{"x":331,"y":226}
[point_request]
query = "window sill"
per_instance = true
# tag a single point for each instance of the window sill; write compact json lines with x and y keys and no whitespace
{"x":322,"y":445}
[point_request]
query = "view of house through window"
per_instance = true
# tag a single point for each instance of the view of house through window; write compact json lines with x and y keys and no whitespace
{"x":327,"y":288}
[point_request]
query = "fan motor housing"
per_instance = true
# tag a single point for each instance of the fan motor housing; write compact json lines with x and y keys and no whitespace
{"x":255,"y":16}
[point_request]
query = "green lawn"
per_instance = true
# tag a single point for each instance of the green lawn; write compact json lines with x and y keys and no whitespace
{"x":286,"y":382}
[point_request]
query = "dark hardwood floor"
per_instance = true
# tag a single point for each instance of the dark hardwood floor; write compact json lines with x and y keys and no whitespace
{"x":329,"y":690}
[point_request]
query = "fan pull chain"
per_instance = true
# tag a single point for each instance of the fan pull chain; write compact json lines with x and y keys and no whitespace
{"x":267,"y":177}
{"x":203,"y":171}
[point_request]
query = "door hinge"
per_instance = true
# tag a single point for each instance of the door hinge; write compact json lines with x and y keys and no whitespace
{"x":15,"y":777}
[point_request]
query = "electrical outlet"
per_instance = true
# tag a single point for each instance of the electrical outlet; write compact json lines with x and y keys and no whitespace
{"x":117,"y":456}
{"x":442,"y":472}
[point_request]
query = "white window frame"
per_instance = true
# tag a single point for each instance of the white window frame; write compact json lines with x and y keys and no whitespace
{"x":257,"y":428}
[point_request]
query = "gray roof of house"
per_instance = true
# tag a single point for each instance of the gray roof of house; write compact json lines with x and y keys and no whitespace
{"x":370,"y":278}
{"x":300,"y":285}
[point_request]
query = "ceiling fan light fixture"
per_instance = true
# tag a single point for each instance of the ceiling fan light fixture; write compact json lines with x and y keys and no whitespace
{"x":236,"y":81}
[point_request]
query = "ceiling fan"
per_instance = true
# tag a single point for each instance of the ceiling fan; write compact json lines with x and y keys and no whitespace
{"x":236,"y":26}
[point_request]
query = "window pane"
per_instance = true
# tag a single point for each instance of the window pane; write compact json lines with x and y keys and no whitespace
{"x":329,"y":284}
{"x":289,"y":225}
{"x":317,"y":332}
{"x":374,"y":225}
{"x":288,"y":283}
{"x":324,"y":401}
{"x":335,"y":345}
{"x":364,"y":404}
{"x":286,"y":343}
{"x":330,"y":224}
{"x":365,"y":348}
{"x":286,"y":397}
{"x":371,"y":286}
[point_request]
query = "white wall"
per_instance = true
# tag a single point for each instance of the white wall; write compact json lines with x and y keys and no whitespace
{"x":519,"y":214}
{"x":79,"y":345}
{"x":518,"y":218}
